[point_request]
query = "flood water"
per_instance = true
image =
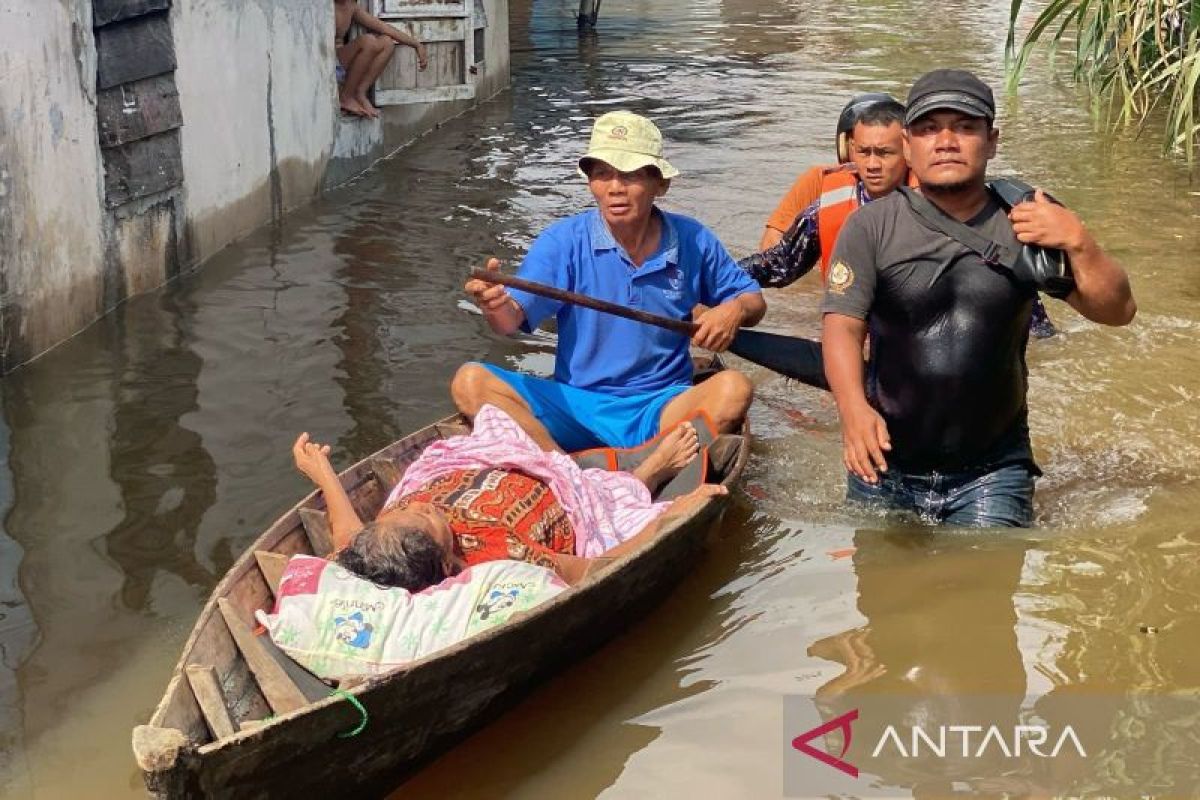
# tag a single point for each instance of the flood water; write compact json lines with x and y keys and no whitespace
{"x":142,"y":456}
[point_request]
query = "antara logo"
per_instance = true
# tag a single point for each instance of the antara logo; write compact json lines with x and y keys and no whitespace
{"x":991,"y":740}
{"x":801,"y":743}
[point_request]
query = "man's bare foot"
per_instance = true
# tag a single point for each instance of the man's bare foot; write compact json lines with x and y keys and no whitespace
{"x":351,"y":106}
{"x":676,"y":450}
{"x":370,"y":111}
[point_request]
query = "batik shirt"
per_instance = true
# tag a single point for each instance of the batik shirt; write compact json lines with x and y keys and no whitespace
{"x":499,"y":514}
{"x":797,"y":252}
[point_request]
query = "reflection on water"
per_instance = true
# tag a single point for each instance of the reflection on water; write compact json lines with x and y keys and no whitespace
{"x":159,"y":465}
{"x":910,"y":647}
{"x":18,"y":633}
{"x":144,"y":454}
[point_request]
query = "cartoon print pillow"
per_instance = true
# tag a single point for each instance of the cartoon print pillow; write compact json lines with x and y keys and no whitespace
{"x":338,"y":625}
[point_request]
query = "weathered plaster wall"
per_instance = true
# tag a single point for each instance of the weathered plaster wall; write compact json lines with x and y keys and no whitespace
{"x":495,"y":74}
{"x":257,"y":92}
{"x":50,"y":177}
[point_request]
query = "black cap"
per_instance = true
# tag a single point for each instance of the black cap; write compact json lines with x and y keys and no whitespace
{"x":954,"y":89}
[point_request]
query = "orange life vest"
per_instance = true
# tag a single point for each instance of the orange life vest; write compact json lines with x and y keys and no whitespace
{"x":839,"y":199}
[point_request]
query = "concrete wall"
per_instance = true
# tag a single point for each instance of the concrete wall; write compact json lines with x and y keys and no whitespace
{"x":495,"y":75}
{"x":50,"y":177}
{"x":91,"y":214}
{"x":256,"y":87}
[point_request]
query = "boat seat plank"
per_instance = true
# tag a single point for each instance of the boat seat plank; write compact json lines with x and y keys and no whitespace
{"x":316,"y":525}
{"x":272,"y":566}
{"x":386,"y":473}
{"x":367,"y":497}
{"x":312,"y":687}
{"x":207,"y":689}
{"x":277,"y":687}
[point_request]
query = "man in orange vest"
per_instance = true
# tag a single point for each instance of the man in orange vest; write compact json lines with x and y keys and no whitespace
{"x":870,"y":165}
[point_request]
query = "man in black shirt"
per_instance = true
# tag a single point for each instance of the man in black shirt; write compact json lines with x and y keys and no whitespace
{"x":938,"y":426}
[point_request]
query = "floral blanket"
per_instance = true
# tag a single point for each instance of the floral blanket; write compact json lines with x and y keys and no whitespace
{"x":605,"y":508}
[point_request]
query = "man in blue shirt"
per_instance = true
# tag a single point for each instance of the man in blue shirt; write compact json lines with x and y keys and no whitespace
{"x":618,"y":382}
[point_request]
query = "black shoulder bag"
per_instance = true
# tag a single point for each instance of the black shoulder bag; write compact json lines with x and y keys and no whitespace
{"x":1045,"y":269}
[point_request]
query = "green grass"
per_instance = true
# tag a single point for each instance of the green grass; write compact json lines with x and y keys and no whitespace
{"x":1140,"y":60}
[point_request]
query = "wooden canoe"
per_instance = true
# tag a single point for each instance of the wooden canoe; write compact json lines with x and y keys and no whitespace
{"x":240,"y":719}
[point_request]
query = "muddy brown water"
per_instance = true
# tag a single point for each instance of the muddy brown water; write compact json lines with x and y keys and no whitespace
{"x":140,"y":457}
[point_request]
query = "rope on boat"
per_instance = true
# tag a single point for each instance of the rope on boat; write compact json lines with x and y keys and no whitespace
{"x":352,"y":700}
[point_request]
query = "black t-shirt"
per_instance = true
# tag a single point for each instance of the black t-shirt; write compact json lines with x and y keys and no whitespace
{"x":948,"y":334}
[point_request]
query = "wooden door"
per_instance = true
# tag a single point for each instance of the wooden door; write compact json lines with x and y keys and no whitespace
{"x":446,"y":28}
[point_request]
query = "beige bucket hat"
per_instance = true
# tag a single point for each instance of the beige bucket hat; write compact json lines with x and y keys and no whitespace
{"x":627,"y":142}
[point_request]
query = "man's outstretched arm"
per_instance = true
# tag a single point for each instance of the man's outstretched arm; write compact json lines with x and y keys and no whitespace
{"x":784,"y":266}
{"x":864,"y":433}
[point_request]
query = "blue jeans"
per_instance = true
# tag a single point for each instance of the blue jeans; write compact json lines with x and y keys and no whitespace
{"x":1002,"y":497}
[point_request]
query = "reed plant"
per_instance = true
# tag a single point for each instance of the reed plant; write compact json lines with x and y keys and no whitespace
{"x":1134,"y":56}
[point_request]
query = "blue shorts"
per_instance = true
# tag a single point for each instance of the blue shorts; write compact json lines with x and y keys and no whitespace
{"x":579,"y":419}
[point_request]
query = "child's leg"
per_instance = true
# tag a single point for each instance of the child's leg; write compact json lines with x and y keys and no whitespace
{"x":354,"y":57}
{"x":378,"y":57}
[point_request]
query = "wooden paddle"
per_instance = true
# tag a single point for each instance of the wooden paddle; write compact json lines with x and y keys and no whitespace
{"x":791,"y":356}
{"x":677,"y":325}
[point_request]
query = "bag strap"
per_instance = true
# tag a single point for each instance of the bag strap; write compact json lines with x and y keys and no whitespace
{"x":991,"y":251}
{"x":1013,"y":191}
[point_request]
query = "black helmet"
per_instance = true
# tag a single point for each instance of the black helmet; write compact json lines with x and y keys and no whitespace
{"x":853,"y":111}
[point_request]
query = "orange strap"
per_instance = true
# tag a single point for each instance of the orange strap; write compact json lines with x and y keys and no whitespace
{"x":618,"y":458}
{"x":839,"y":197}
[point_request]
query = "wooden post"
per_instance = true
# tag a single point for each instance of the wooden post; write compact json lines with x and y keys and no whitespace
{"x":589,"y":10}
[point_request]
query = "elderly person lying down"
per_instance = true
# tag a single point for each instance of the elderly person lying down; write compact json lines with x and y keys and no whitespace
{"x":494,"y":494}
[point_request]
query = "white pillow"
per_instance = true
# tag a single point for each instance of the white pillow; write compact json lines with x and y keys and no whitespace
{"x":339,"y":626}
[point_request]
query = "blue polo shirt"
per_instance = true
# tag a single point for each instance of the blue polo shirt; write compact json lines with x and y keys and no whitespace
{"x":618,"y":356}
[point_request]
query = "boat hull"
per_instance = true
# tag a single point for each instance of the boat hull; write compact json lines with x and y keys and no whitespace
{"x":414,"y":713}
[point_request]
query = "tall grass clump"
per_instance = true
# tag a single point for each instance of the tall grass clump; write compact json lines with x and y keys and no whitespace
{"x":1134,"y":56}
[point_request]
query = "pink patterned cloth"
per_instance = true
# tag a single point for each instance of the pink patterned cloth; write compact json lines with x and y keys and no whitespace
{"x":605,"y":508}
